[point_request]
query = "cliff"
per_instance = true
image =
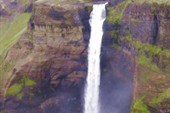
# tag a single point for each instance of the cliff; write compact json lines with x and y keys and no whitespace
{"x":47,"y":66}
{"x":143,"y":31}
{"x":52,"y":54}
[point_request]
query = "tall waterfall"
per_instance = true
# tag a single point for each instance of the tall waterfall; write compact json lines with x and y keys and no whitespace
{"x":91,"y":96}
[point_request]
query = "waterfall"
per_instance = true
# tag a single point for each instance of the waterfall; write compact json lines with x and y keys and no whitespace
{"x":91,"y":96}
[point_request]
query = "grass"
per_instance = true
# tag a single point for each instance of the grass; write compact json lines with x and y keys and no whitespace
{"x":154,"y":76}
{"x":28,"y":82}
{"x":16,"y":89}
{"x":24,"y":2}
{"x":12,"y":31}
{"x":143,"y":60}
{"x":139,"y":106}
{"x":115,"y":14}
{"x":154,"y":86}
{"x":160,"y":98}
{"x":167,"y":2}
{"x":9,"y":35}
{"x":145,"y":53}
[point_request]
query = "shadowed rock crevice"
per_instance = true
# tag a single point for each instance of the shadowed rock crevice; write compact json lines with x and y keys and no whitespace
{"x":155,"y":30}
{"x":84,"y":15}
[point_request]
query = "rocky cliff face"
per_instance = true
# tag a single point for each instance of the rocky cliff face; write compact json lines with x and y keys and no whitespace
{"x":50,"y":60}
{"x":52,"y":53}
{"x":148,"y":24}
{"x":153,"y":21}
{"x":51,"y":64}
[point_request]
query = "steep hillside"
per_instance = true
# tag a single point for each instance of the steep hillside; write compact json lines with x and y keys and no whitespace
{"x":43,"y":56}
{"x":141,"y":28}
{"x":13,"y":24}
{"x":9,"y":36}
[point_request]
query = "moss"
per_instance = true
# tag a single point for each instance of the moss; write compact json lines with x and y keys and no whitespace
{"x":143,"y":60}
{"x":145,"y":53}
{"x":139,"y":106}
{"x":115,"y":14}
{"x":87,"y":0}
{"x":165,"y":53}
{"x":144,"y":75}
{"x":30,"y":37}
{"x":160,"y":98}
{"x":20,"y":95}
{"x":113,"y":17}
{"x":28,"y":82}
{"x":167,"y":2}
{"x":89,"y":8}
{"x":24,"y":2}
{"x":14,"y":89}
{"x":115,"y":32}
{"x":116,"y":46}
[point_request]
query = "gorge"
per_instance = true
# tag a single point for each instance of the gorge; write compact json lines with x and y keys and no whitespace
{"x":44,"y":56}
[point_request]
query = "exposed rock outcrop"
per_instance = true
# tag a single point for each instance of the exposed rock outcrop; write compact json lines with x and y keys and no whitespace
{"x":148,"y":23}
{"x":51,"y":59}
{"x":53,"y":54}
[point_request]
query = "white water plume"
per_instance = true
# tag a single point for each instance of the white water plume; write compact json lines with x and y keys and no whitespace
{"x":91,"y":96}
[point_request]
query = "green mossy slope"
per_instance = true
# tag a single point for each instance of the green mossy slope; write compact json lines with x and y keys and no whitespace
{"x":9,"y":35}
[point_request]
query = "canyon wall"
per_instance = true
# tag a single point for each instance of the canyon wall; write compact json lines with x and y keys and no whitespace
{"x":50,"y":59}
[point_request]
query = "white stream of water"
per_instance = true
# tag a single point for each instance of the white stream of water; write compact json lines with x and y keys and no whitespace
{"x":91,"y":96}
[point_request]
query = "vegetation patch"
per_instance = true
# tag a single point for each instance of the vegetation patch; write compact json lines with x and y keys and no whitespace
{"x":167,"y":2}
{"x":87,"y":0}
{"x":145,"y":52}
{"x":160,"y":98}
{"x":13,"y":31}
{"x":153,"y":61}
{"x":143,"y":60}
{"x":24,"y":2}
{"x":115,"y":14}
{"x":139,"y":106}
{"x":14,"y":89}
{"x":28,"y":82}
{"x":30,"y":37}
{"x":10,"y":33}
{"x":5,"y":69}
{"x":17,"y":88}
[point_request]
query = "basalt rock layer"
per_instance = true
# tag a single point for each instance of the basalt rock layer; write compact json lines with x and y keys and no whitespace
{"x":50,"y":60}
{"x":148,"y":24}
{"x":52,"y":53}
{"x":51,"y":63}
